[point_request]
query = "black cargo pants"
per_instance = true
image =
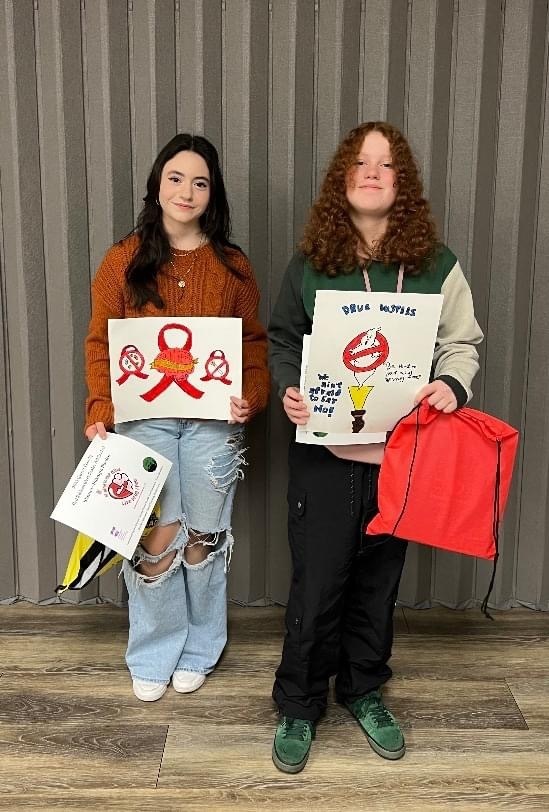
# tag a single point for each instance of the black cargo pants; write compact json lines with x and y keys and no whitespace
{"x":339,"y":618}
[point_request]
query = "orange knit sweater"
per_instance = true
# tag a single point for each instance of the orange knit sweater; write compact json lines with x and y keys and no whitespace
{"x":210,"y":290}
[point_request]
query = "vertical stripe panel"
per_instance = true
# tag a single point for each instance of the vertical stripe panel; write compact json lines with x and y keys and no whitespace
{"x":94,"y":88}
{"x":27,"y":336}
{"x":532,"y":557}
{"x":515,"y":202}
{"x":8,"y":585}
{"x":65,"y":222}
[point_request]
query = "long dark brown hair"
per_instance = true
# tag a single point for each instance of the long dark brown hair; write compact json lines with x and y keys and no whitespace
{"x":153,"y":250}
{"x":331,"y":239}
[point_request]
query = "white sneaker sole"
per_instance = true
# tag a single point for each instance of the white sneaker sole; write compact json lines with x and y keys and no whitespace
{"x":185,"y":682}
{"x":148,"y":691}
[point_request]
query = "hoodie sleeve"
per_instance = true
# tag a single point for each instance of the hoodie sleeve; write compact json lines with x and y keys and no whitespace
{"x":455,"y":358}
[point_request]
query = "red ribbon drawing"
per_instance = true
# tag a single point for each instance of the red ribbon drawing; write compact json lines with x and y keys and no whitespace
{"x":216,"y":367}
{"x":176,"y":363}
{"x":131,"y":362}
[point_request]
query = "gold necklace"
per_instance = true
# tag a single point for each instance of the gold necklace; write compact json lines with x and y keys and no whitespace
{"x":183,"y":253}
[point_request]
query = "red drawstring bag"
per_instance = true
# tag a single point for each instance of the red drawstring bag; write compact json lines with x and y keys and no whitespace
{"x":444,"y":481}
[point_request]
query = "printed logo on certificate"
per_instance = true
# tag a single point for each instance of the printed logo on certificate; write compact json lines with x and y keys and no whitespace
{"x":112,"y":493}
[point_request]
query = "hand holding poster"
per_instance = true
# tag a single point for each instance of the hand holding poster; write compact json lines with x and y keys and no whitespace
{"x":369,"y":355}
{"x":175,"y":367}
{"x":111,"y":494}
{"x":303,"y":435}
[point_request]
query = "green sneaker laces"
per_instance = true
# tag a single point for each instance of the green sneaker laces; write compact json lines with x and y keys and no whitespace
{"x":375,"y":709}
{"x":298,"y":729}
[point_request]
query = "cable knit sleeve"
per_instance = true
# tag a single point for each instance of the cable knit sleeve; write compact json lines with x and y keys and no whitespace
{"x":107,"y":299}
{"x":255,"y":372}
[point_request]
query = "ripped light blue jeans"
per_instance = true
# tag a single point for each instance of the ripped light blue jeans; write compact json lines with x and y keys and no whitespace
{"x":178,"y":619}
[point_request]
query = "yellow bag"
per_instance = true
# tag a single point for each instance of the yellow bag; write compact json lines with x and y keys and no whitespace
{"x":89,"y":558}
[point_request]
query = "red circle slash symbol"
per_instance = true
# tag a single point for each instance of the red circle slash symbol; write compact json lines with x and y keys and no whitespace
{"x":216,"y":367}
{"x":357,"y":353}
{"x":131,"y":362}
{"x":176,"y":363}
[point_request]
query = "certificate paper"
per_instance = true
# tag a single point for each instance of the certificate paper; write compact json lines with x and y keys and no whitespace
{"x":112,"y":493}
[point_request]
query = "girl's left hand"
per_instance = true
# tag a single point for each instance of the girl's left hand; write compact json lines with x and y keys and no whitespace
{"x":240,"y":410}
{"x":439,"y":395}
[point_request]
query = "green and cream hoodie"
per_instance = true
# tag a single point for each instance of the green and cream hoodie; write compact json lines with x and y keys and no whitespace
{"x":455,"y":359}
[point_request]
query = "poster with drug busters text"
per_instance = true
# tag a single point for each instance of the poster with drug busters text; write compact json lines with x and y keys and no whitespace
{"x":369,"y":355}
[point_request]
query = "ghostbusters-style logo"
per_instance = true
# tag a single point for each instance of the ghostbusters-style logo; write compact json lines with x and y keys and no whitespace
{"x":217,"y":368}
{"x":131,"y":362}
{"x":366,"y":352}
{"x":120,"y":486}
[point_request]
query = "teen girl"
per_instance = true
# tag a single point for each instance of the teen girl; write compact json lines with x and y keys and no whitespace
{"x":370,"y":226}
{"x":179,"y":262}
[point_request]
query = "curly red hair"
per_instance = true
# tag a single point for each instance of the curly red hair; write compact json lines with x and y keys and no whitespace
{"x":331,"y":239}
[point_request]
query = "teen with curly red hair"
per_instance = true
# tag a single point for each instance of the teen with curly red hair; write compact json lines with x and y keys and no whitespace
{"x":370,"y":225}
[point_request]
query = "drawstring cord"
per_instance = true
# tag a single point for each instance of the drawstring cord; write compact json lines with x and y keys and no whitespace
{"x":368,"y":286}
{"x":352,"y":489}
{"x":495,"y":516}
{"x":495,"y":533}
{"x":416,"y":441}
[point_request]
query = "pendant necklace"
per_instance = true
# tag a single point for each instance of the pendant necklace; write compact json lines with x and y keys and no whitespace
{"x":181,"y":253}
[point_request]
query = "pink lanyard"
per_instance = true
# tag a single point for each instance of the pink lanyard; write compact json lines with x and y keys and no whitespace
{"x":399,"y":280}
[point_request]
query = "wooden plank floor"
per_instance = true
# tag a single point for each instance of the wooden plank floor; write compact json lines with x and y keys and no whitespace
{"x":472,"y":695}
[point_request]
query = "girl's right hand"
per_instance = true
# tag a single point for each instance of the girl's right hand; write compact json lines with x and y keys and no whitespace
{"x":96,"y":428}
{"x":295,"y":406}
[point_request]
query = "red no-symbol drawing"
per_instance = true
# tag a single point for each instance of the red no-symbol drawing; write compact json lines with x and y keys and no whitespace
{"x":217,"y":368}
{"x":131,"y":362}
{"x":176,"y":363}
{"x":366,"y":351}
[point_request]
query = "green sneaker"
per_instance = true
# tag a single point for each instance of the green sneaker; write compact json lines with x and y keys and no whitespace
{"x":292,"y":743}
{"x":379,"y":725}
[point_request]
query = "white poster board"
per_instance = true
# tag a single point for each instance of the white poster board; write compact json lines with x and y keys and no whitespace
{"x":369,"y":354}
{"x":175,"y":367}
{"x":112,"y":493}
{"x":302,"y":435}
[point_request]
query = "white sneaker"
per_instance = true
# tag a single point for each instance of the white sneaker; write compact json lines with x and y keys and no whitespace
{"x":148,"y":691}
{"x":185,"y":682}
